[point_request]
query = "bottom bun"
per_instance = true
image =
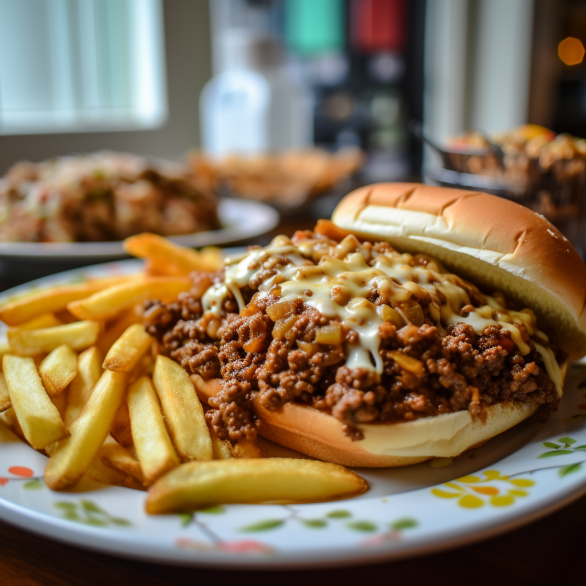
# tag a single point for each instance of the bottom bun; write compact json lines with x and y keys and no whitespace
{"x":319,"y":435}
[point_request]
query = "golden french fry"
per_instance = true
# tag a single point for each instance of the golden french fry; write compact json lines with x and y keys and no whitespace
{"x":100,"y":472}
{"x":112,"y":301}
{"x":45,"y":320}
{"x":4,"y":349}
{"x":5,"y":402}
{"x":65,"y":317}
{"x":106,"y":282}
{"x":282,"y":480}
{"x":132,"y":345}
{"x":222,"y":449}
{"x":121,"y":431}
{"x":50,"y":300}
{"x":116,"y":329}
{"x":9,"y":417}
{"x":73,"y":456}
{"x":119,"y":458}
{"x":154,"y":448}
{"x":145,"y":367}
{"x":6,"y":434}
{"x":60,"y":401}
{"x":58,"y":369}
{"x":154,"y":267}
{"x":39,"y":419}
{"x":177,"y":259}
{"x":89,"y":370}
{"x":78,"y":335}
{"x":182,"y":410}
{"x":245,"y":449}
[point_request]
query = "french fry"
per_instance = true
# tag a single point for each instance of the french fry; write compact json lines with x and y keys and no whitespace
{"x":65,"y":316}
{"x":222,"y":449}
{"x":100,"y":472}
{"x":154,"y":267}
{"x":6,"y":434}
{"x":58,"y":369}
{"x":106,"y":282}
{"x":39,"y":419}
{"x":132,"y":345}
{"x":50,"y":300}
{"x":182,"y":410}
{"x":78,"y":335}
{"x":112,"y":301}
{"x":45,"y":320}
{"x":119,"y":458}
{"x":121,"y":427}
{"x":245,"y":449}
{"x":60,"y":401}
{"x":145,"y":367}
{"x":283,"y":480}
{"x":9,"y":417}
{"x":73,"y":456}
{"x":154,"y":448}
{"x":89,"y":370}
{"x":116,"y":329}
{"x":163,"y":253}
{"x":5,"y":402}
{"x":4,"y":349}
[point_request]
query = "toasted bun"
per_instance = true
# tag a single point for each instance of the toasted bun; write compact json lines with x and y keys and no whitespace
{"x":492,"y":242}
{"x":385,"y":445}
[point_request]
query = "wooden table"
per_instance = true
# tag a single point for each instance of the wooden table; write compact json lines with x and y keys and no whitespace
{"x":546,"y":552}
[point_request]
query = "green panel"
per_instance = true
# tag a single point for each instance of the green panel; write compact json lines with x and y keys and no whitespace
{"x":314,"y":26}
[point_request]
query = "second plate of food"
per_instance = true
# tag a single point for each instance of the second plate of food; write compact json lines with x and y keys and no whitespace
{"x":240,"y":220}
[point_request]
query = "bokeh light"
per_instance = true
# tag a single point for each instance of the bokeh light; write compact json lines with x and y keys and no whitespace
{"x":571,"y":51}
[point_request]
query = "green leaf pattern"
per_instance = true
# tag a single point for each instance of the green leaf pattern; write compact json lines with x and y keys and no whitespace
{"x":89,"y":513}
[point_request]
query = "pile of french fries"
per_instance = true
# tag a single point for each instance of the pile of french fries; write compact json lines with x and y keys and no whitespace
{"x":82,"y":381}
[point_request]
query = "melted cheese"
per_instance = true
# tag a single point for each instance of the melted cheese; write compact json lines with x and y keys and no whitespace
{"x":339,"y":288}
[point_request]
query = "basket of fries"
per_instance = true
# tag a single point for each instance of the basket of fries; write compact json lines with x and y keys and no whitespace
{"x":531,"y":165}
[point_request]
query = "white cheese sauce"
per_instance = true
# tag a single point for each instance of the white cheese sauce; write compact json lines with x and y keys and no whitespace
{"x":352,"y":280}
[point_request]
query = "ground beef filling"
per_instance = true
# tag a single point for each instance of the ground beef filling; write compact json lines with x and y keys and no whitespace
{"x":424,"y":374}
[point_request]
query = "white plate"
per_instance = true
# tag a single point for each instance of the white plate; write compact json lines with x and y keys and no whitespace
{"x":526,"y":473}
{"x":240,"y":219}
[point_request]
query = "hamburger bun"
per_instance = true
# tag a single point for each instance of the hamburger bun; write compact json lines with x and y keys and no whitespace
{"x":492,"y":242}
{"x":386,"y":445}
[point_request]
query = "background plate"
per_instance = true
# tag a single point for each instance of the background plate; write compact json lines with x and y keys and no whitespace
{"x":515,"y":478}
{"x":241,"y":220}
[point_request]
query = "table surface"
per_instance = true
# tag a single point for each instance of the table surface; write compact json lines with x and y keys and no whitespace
{"x":547,"y":551}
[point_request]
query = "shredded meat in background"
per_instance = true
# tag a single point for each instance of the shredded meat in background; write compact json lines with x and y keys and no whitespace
{"x":459,"y":371}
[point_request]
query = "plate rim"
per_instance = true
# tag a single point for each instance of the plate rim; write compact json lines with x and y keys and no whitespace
{"x":119,"y":545}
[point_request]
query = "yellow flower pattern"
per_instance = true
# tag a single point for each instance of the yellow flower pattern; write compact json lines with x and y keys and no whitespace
{"x":473,"y":492}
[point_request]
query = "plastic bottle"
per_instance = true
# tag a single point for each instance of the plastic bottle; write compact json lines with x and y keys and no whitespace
{"x":255,"y":105}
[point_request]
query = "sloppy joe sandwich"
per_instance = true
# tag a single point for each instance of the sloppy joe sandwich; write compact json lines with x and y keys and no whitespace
{"x":419,"y":322}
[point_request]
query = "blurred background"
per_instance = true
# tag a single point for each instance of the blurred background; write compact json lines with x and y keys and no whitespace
{"x":223,"y":83}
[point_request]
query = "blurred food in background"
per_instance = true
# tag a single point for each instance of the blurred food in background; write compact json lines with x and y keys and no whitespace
{"x":286,"y":180}
{"x":530,"y":164}
{"x":99,"y":197}
{"x":290,"y":74}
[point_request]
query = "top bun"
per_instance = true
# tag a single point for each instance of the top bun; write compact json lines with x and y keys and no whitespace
{"x":492,"y":242}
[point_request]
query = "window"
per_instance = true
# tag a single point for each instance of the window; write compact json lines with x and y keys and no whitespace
{"x":81,"y":65}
